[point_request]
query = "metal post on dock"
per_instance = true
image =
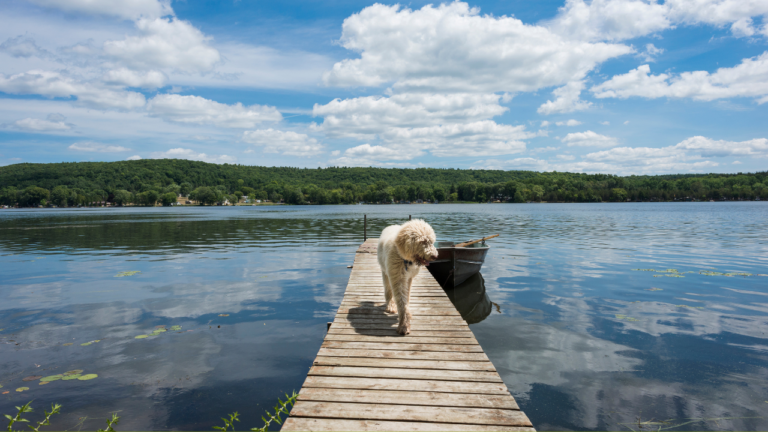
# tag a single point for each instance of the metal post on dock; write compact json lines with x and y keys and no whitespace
{"x":365,"y":227}
{"x":409,"y":217}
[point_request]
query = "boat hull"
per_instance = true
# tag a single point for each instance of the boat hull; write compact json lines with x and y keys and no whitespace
{"x":455,"y":265}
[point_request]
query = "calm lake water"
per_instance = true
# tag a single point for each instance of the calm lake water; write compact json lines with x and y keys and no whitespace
{"x":581,"y":338}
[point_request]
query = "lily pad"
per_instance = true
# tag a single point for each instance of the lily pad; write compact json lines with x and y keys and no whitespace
{"x":6,"y":392}
{"x":67,"y":344}
{"x":160,"y":326}
{"x":32,"y":378}
{"x":21,"y":389}
{"x":71,"y":377}
{"x":91,"y":342}
{"x":87,"y":377}
{"x":141,"y":337}
{"x":44,"y":383}
{"x":127,"y":273}
{"x":223,"y":314}
{"x":74,"y":372}
{"x":52,"y":378}
{"x":176,"y":328}
{"x":625,"y":318}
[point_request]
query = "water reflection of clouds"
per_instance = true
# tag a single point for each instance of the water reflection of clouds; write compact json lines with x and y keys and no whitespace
{"x":191,"y":300}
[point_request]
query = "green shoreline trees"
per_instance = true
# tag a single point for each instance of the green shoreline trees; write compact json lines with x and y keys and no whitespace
{"x":147,"y":182}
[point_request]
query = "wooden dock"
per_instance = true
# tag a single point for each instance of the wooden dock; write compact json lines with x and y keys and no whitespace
{"x":367,"y":377}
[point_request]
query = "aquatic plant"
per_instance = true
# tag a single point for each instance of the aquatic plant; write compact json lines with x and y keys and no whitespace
{"x":127,"y":273}
{"x":111,"y":422}
{"x":625,"y":318}
{"x":55,"y":409}
{"x":712,"y":273}
{"x":280,"y":409}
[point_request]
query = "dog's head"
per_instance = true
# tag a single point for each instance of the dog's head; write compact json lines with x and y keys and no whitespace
{"x":416,"y":242}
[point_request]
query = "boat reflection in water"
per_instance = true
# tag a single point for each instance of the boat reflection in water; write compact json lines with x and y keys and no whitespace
{"x":470,"y":299}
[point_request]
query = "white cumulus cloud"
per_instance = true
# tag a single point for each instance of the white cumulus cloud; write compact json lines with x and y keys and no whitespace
{"x":452,"y":48}
{"x":198,"y":110}
{"x":126,"y":77}
{"x":165,"y":43}
{"x":588,"y":139}
{"x":54,"y":84}
{"x":90,"y":146}
{"x":365,"y":117}
{"x":615,"y":20}
{"x":127,"y":9}
{"x":182,"y":153}
{"x":748,"y":79}
{"x":566,"y":100}
{"x":285,"y":142}
{"x":571,"y":122}
{"x":40,"y":125}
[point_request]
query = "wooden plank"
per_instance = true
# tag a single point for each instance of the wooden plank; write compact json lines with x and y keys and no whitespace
{"x":387,"y":397}
{"x":456,"y":415}
{"x":314,"y":424}
{"x":401,"y":346}
{"x":463,"y":387}
{"x":393,"y":332}
{"x":406,"y":364}
{"x":393,"y":325}
{"x":412,"y":355}
{"x":435,"y":320}
{"x":359,"y":310}
{"x":409,"y":339}
{"x":372,"y":372}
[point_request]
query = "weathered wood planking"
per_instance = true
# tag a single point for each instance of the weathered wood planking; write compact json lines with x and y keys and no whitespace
{"x":367,"y":377}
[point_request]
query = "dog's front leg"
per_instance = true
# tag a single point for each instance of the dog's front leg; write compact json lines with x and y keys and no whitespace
{"x":389,"y":298}
{"x":403,"y":295}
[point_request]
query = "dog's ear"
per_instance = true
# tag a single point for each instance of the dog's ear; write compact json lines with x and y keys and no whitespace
{"x":401,"y":242}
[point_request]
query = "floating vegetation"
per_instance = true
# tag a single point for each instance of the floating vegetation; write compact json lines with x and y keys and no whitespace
{"x":73,"y":372}
{"x":141,"y":337}
{"x":175,"y":328}
{"x":711,"y":273}
{"x":127,"y":273}
{"x":21,"y":389}
{"x":689,"y":307}
{"x":756,"y":275}
{"x":224,"y":315}
{"x":654,"y":289}
{"x":52,"y":378}
{"x":32,"y":378}
{"x":67,"y":344}
{"x":88,"y":377}
{"x":91,"y":342}
{"x":625,"y":318}
{"x":44,"y":382}
{"x":71,"y":377}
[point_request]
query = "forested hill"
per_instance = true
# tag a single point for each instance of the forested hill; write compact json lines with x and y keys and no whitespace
{"x":144,"y":180}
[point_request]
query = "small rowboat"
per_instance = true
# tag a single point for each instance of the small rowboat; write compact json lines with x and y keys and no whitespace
{"x":455,"y":263}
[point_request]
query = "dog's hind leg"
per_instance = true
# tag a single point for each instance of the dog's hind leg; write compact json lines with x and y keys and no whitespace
{"x":389,"y":297}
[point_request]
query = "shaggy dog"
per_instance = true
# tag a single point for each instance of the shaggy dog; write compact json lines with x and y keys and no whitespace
{"x":402,"y":250}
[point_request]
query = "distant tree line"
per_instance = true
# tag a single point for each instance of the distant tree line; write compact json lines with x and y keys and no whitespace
{"x":161,"y":181}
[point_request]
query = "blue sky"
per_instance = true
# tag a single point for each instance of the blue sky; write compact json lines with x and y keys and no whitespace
{"x":611,"y":86}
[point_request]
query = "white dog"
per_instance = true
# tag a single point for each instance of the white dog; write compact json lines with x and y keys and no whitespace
{"x":402,"y":250}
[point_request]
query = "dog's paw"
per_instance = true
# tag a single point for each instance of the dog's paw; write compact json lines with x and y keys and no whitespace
{"x":391,"y":308}
{"x":403,"y":329}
